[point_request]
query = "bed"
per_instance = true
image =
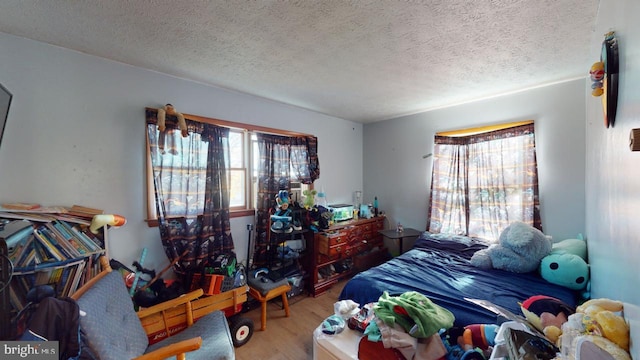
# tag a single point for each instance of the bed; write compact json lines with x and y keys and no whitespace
{"x":438,"y":266}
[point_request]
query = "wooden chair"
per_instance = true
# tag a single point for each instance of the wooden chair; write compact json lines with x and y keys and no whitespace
{"x":114,"y":331}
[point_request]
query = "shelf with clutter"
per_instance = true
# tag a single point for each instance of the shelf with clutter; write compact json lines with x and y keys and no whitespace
{"x":288,"y":239}
{"x":47,"y":251}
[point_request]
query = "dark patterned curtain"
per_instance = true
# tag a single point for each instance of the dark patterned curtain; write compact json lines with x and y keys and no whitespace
{"x":482,"y":183}
{"x":304,"y":159}
{"x":192,"y":191}
{"x":279,"y":155}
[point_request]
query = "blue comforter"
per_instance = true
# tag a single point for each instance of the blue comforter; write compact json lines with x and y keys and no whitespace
{"x":438,"y":266}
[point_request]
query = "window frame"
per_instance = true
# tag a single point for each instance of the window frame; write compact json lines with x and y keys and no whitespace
{"x":476,"y":132}
{"x":247,"y":130}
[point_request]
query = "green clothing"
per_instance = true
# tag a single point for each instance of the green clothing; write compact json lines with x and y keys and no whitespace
{"x":416,"y":313}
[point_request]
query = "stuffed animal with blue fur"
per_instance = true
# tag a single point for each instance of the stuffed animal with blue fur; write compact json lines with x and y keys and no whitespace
{"x":520,"y":249}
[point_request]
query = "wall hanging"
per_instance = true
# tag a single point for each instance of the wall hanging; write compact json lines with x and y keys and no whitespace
{"x":604,"y":77}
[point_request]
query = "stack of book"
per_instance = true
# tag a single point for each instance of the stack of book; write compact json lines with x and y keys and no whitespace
{"x":54,"y":248}
{"x":52,"y":243}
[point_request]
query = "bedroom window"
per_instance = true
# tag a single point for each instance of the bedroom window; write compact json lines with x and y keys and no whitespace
{"x":243,"y":168}
{"x":484,"y":179}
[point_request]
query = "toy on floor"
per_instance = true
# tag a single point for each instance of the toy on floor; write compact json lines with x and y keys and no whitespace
{"x":597,"y":321}
{"x":169,"y":109}
{"x":547,"y":314}
{"x":601,"y":318}
{"x":519,"y":249}
{"x":473,"y":341}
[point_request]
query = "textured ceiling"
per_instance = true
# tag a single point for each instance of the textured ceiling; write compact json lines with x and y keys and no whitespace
{"x":361,"y":60}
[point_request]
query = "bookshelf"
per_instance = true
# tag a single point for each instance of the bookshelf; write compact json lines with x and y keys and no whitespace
{"x":49,"y":248}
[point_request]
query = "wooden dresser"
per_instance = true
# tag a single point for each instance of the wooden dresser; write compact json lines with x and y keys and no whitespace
{"x":344,"y":249}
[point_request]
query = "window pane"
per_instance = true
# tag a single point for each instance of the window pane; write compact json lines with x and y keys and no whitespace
{"x":237,"y":193}
{"x":235,"y":149}
{"x":255,"y":163}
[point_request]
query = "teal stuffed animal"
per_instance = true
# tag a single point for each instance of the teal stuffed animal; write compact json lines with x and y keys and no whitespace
{"x":566,"y":265}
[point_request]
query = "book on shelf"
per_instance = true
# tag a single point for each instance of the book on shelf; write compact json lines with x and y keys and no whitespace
{"x":17,"y":296}
{"x":20,"y":206}
{"x":54,"y":248}
{"x":22,"y":251}
{"x":49,"y":250}
{"x":38,"y":217}
{"x":63,"y":246}
{"x":77,"y":247}
{"x":77,"y":232}
{"x":83,"y":211}
{"x":15,"y":233}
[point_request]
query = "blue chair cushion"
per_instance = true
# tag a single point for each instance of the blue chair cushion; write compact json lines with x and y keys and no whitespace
{"x":216,"y":338}
{"x":110,"y":322}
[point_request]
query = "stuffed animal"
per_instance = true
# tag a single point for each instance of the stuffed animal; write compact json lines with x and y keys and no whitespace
{"x":601,"y":318}
{"x":282,"y":203}
{"x":519,"y":249}
{"x":473,"y":341}
{"x":547,"y":314}
{"x":281,"y":219}
{"x":169,"y":109}
{"x":598,"y":321}
{"x":309,"y":198}
{"x":566,"y":265}
{"x":101,"y":220}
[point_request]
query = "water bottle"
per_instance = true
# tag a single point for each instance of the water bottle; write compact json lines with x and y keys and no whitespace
{"x":375,"y":206}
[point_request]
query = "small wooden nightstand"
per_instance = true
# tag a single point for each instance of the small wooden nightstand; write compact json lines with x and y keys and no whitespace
{"x":394,"y":234}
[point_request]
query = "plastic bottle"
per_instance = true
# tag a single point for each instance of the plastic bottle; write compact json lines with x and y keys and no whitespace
{"x":322,"y":198}
{"x":375,"y":206}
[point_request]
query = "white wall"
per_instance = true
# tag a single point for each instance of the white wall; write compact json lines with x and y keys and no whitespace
{"x":397,"y":173}
{"x":76,"y":135}
{"x":613,"y":171}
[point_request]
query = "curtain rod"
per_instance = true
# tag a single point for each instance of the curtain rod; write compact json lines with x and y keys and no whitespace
{"x":237,"y":125}
{"x":483,"y":129}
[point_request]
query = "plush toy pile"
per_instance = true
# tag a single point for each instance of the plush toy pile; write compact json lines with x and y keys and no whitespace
{"x":600,"y":322}
{"x":597,"y":321}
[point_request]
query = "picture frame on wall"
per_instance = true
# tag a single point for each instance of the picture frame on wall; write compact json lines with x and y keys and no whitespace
{"x":609,"y":57}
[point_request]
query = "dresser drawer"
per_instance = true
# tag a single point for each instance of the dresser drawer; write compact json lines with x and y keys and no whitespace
{"x":331,"y":244}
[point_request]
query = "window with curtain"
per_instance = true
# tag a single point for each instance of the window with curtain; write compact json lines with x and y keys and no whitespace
{"x":203,"y":177}
{"x":191,"y":190}
{"x":483,"y":182}
{"x":279,"y":156}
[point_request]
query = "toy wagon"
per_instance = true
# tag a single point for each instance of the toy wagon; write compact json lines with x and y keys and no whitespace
{"x":160,"y":325}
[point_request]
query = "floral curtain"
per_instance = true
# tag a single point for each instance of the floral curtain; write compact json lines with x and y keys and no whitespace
{"x":279,"y":155}
{"x":481,"y":183}
{"x":192,"y":191}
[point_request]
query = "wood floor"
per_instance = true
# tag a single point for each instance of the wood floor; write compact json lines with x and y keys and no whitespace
{"x":288,"y":338}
